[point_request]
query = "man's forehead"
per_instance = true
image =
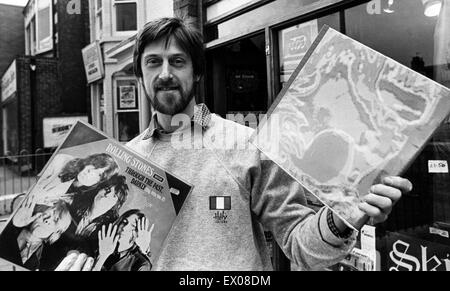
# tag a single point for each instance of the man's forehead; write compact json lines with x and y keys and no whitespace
{"x":163,"y":46}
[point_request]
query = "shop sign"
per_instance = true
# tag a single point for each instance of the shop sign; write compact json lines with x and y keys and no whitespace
{"x":93,"y":62}
{"x":244,"y":81}
{"x":295,"y":42}
{"x":437,"y":167}
{"x":56,"y":128}
{"x":9,"y":82}
{"x":406,"y":253}
{"x":298,"y":39}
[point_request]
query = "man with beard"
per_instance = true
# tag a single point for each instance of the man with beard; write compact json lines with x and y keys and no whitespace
{"x":238,"y":192}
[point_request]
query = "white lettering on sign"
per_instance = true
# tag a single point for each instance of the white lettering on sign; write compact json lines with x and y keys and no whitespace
{"x":440,"y":232}
{"x":437,"y":167}
{"x":400,"y":257}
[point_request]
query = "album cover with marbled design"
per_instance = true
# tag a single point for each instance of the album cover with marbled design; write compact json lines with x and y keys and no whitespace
{"x":347,"y":117}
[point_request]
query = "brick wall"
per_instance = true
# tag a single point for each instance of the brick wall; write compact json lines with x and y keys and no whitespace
{"x":12,"y":35}
{"x":73,"y":36}
{"x":39,"y":97}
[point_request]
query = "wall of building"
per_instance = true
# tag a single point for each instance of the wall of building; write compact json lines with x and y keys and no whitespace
{"x":73,"y":36}
{"x":12,"y":40}
{"x":39,"y":97}
{"x":12,"y":35}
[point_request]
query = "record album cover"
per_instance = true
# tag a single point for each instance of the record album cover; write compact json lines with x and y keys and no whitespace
{"x":348,"y":117}
{"x":97,"y":197}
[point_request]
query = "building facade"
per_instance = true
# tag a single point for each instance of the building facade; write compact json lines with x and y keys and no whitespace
{"x":253,"y":47}
{"x":12,"y":40}
{"x":48,"y":80}
{"x":119,"y":106}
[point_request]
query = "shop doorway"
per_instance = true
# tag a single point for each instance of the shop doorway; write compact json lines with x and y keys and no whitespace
{"x":237,"y":77}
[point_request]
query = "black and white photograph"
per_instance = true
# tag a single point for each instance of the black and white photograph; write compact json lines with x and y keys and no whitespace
{"x":240,"y":140}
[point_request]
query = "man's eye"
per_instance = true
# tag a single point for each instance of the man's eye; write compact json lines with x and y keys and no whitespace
{"x":152,"y":62}
{"x":178,"y":61}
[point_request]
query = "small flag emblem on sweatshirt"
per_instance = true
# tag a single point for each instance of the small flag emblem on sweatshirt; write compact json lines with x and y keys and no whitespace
{"x":220,"y":203}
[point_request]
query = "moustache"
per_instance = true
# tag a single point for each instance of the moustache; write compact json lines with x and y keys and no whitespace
{"x":162,"y":85}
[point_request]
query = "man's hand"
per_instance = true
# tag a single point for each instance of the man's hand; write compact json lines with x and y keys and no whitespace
{"x":379,"y":202}
{"x":76,"y":262}
{"x":144,"y":235}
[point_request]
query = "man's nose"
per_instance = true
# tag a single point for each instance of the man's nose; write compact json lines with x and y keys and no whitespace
{"x":166,"y":73}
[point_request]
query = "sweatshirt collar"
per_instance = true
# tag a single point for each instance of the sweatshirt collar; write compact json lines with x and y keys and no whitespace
{"x":202,"y":117}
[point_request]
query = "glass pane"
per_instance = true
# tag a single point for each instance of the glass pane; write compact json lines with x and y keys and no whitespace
{"x":44,"y":21}
{"x":404,"y":31}
{"x":128,"y":126}
{"x":126,"y":16}
{"x":246,"y":75}
{"x":295,"y":41}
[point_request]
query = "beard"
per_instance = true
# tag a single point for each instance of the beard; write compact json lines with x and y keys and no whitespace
{"x":170,"y":102}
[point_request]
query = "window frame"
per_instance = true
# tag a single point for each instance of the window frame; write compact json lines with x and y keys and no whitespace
{"x":117,"y":111}
{"x":115,"y":4}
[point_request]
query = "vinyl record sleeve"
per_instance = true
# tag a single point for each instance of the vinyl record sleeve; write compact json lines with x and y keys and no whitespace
{"x":348,"y":117}
{"x":93,"y":182}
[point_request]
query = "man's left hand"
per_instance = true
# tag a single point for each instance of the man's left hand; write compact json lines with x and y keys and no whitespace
{"x":379,"y":202}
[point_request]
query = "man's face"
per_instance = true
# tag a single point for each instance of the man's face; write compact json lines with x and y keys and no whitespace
{"x":168,"y":76}
{"x":127,"y":233}
{"x":45,"y":225}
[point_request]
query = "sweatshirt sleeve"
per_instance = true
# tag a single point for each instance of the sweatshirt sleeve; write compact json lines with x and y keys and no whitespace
{"x":279,"y":202}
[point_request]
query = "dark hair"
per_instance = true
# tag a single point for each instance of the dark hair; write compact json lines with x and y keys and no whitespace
{"x":121,"y":189}
{"x":99,"y":161}
{"x":187,"y":37}
{"x":84,"y":200}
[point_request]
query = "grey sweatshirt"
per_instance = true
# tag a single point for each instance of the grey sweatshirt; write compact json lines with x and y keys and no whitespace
{"x":228,"y":233}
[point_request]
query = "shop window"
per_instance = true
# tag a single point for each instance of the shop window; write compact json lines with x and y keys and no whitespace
{"x":126,"y":15}
{"x":402,"y":30}
{"x":239,"y":77}
{"x":127,"y":108}
{"x":295,"y":41}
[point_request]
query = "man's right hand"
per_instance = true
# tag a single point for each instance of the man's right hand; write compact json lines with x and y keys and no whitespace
{"x":76,"y":262}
